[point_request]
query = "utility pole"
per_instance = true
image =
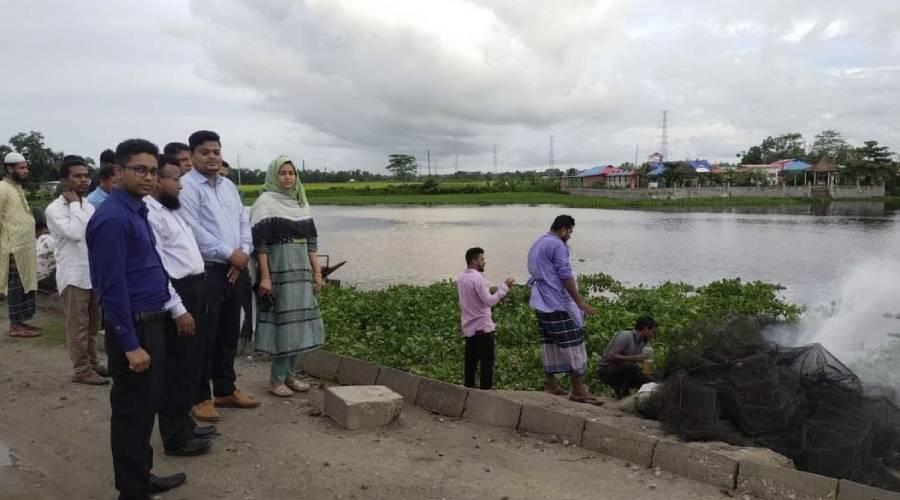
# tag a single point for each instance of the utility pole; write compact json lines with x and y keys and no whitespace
{"x":429,"y":162}
{"x":664,"y":139}
{"x":456,"y":164}
{"x":495,"y":162}
{"x":239,"y":169}
{"x":635,"y":156}
{"x":303,"y":165}
{"x":552,"y":159}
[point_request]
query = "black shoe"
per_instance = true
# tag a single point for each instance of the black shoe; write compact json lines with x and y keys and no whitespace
{"x":192,"y":448}
{"x":205,"y":432}
{"x":166,"y":483}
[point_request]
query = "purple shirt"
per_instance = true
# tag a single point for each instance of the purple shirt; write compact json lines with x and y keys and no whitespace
{"x":548,"y":264}
{"x":475,"y":301}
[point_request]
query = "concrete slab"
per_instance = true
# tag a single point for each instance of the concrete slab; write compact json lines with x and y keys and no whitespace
{"x":614,"y":440}
{"x":848,"y":490}
{"x":322,"y":364}
{"x":443,"y":398}
{"x":362,"y":406}
{"x":354,"y":371}
{"x":696,"y":463}
{"x":766,"y":481}
{"x":487,"y":408}
{"x":542,"y":420}
{"x":404,"y":383}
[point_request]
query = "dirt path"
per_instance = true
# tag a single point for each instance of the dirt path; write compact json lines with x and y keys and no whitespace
{"x":54,"y":443}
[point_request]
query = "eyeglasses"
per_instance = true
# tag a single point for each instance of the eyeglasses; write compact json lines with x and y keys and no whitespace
{"x":142,"y":170}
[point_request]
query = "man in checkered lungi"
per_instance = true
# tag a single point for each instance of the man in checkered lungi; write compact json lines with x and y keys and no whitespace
{"x":559,"y":308}
{"x":18,"y":250}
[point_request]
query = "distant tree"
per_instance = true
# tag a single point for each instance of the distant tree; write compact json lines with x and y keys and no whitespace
{"x":830,"y":144}
{"x":772,"y":149}
{"x":572,"y":171}
{"x":553,"y":172}
{"x":871,"y":164}
{"x":402,"y":166}
{"x":42,"y":160}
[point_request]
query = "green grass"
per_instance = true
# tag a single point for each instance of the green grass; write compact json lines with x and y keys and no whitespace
{"x":541,"y":198}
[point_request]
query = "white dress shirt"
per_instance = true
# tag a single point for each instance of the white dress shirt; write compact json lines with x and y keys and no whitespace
{"x":67,"y":223}
{"x":175,"y":242}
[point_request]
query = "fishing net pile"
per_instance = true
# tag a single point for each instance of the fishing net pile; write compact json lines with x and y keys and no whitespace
{"x":731,"y":385}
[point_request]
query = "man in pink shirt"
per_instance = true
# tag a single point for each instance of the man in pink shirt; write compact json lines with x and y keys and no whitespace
{"x":475,"y":302}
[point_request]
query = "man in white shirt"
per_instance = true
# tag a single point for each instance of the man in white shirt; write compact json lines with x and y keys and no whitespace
{"x":67,"y":219}
{"x":180,"y":256}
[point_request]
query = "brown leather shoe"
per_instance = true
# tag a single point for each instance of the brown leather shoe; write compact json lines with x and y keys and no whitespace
{"x":17,"y":330}
{"x":237,"y":400}
{"x":101,"y":370}
{"x":90,"y":378}
{"x":206,"y":412}
{"x":31,"y":327}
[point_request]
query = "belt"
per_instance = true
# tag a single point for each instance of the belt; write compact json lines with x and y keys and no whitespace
{"x":214,"y":265}
{"x":143,"y":317}
{"x":482,"y":332}
{"x":191,"y":278}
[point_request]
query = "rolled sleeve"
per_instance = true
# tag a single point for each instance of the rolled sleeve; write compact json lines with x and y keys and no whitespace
{"x":560,"y":260}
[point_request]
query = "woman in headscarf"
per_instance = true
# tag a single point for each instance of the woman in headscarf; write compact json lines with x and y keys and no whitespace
{"x":288,"y":320}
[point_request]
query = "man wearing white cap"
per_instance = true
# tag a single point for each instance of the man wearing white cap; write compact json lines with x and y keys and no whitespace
{"x":18,"y":250}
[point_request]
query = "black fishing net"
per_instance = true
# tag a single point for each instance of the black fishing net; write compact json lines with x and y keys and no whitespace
{"x":731,"y":385}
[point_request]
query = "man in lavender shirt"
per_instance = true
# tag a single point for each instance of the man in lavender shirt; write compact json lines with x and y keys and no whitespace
{"x":475,"y":302}
{"x":559,"y":308}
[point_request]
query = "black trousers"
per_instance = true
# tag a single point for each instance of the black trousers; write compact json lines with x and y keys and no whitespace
{"x":480,"y":350}
{"x":219,"y":337}
{"x":134,"y":399}
{"x":182,"y":366}
{"x":623,"y":377}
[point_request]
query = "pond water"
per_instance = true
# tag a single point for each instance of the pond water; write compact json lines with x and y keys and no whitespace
{"x":808,"y":249}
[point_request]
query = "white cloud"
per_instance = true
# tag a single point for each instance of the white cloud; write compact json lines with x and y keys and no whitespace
{"x":343,"y":83}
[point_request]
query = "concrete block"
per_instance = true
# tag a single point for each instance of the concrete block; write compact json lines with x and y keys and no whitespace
{"x":443,"y":398}
{"x":848,"y":490}
{"x":404,"y":383}
{"x":542,"y":420}
{"x":486,"y":408}
{"x":619,"y":442}
{"x":362,"y":406}
{"x":301,"y":360}
{"x":354,"y":371}
{"x":322,"y":364}
{"x":695,"y":463}
{"x":766,"y":481}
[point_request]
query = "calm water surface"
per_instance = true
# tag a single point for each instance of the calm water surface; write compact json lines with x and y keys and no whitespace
{"x":806,"y":249}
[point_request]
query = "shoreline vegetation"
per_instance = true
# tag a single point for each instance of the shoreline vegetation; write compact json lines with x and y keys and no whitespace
{"x":416,"y":328}
{"x":486,"y":193}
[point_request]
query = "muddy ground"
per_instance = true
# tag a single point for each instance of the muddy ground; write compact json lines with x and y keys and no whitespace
{"x":54,"y":443}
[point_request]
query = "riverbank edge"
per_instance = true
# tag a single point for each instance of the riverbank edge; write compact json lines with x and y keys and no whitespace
{"x":594,"y":434}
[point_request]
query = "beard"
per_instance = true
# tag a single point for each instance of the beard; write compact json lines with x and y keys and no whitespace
{"x":18,"y":179}
{"x":169,"y":201}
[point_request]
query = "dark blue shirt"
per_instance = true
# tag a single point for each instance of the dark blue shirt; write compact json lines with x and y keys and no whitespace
{"x":126,"y":271}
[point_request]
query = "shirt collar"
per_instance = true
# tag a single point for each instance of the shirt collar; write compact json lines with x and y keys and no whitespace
{"x":203,"y":179}
{"x":127,"y":200}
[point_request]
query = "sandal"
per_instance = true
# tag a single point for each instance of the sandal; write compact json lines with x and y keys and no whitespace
{"x":281,"y":390}
{"x":589,"y":400}
{"x":558,"y":391}
{"x":296,"y":385}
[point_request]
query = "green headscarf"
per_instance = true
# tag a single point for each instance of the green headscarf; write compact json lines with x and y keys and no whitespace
{"x":278,"y":202}
{"x":271,"y":185}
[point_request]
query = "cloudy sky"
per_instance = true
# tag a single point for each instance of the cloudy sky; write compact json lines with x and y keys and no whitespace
{"x":344,"y":83}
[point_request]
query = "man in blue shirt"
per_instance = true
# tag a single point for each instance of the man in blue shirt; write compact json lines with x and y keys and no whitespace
{"x":212,"y":207}
{"x":134,"y":290}
{"x":106,"y":181}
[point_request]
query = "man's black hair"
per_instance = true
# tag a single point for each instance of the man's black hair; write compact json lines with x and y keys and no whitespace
{"x":644,"y":322}
{"x":167,"y":159}
{"x":173,"y":148}
{"x":126,"y":149}
{"x":106,"y":171}
{"x":562,"y":222}
{"x":225,"y":164}
{"x":68,"y":162}
{"x":201,"y":136}
{"x":472,"y":254}
{"x":107,"y":156}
